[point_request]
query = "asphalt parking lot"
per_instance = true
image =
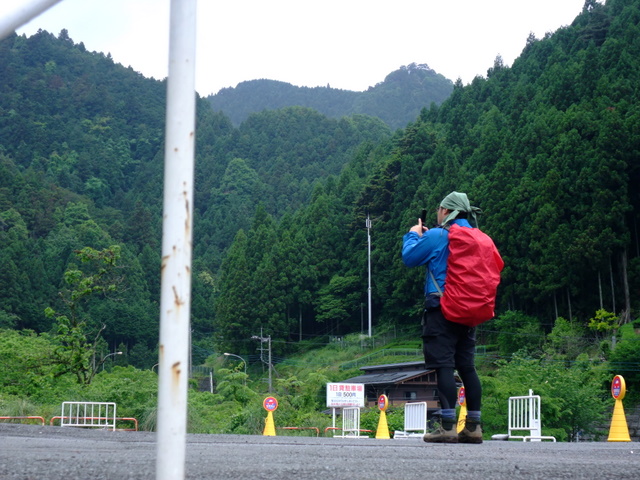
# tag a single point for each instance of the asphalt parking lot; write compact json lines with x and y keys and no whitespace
{"x":29,"y":452}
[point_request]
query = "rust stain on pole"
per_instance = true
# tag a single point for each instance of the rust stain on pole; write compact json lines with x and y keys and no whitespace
{"x":187,"y":206}
{"x":163,"y":265}
{"x":176,"y":297}
{"x":175,"y":371}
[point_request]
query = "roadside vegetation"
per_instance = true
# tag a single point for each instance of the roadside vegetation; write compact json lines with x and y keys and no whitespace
{"x":573,"y":382}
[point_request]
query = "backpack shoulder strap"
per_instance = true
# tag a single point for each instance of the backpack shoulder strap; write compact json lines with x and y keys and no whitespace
{"x":433,"y":279}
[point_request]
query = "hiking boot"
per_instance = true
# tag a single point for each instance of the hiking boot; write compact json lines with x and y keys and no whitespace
{"x":472,"y":432}
{"x":444,"y":431}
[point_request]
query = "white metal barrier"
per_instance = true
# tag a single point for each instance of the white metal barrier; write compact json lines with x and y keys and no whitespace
{"x":351,"y":422}
{"x":524,"y":415}
{"x":89,"y":414}
{"x":415,"y":420}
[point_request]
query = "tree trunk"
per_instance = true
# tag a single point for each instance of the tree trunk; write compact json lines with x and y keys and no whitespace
{"x":569,"y":304}
{"x":626,"y":315}
{"x":635,"y":229}
{"x":613,"y":290}
{"x":600,"y":290}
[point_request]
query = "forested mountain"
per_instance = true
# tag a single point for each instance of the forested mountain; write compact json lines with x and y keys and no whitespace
{"x":81,"y":155}
{"x":397,"y":100}
{"x":548,"y":148}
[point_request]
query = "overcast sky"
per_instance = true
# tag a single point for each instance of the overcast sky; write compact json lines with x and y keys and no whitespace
{"x":347,"y":44}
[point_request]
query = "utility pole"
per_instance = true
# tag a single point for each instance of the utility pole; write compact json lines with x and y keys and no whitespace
{"x":262,"y":340}
{"x":368,"y":225}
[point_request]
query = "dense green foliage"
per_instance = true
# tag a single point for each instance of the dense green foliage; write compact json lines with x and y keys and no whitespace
{"x":397,"y":100}
{"x":552,"y":163}
{"x":573,"y":400}
{"x":32,"y":385}
{"x":548,"y":148}
{"x":81,"y":166}
{"x":574,"y":395}
{"x":78,"y":336}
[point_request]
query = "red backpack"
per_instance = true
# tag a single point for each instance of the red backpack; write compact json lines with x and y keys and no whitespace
{"x":473,"y":275}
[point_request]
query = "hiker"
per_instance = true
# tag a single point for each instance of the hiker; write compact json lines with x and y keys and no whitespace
{"x":448,"y":345}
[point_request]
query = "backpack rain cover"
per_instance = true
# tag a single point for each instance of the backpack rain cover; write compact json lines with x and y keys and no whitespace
{"x":473,"y":276}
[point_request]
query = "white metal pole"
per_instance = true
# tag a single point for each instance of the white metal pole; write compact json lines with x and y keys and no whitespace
{"x":175,"y":295}
{"x":23,"y":13}
{"x":368,"y":224}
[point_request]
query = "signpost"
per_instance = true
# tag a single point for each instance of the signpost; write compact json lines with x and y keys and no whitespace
{"x":345,"y":395}
{"x":270,"y":404}
{"x":618,"y":387}
{"x":619,"y":431}
{"x":383,"y":427}
{"x":340,"y":395}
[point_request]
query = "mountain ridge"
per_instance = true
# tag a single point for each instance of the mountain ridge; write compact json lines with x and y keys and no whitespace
{"x":397,"y":100}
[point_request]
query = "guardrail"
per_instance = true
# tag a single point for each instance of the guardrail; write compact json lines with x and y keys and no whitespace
{"x":23,"y":417}
{"x":524,"y":415}
{"x":88,"y":420}
{"x":415,"y":420}
{"x":88,"y":414}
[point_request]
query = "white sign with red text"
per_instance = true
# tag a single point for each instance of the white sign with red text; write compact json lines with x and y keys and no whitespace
{"x":345,"y":395}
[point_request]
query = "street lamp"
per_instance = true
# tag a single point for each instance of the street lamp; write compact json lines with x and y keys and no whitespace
{"x":243,"y":361}
{"x":107,"y":356}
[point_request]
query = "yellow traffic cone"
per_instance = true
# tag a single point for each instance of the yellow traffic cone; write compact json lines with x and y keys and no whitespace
{"x":383,"y":428}
{"x":462,"y":417}
{"x":269,"y":426}
{"x":619,"y":431}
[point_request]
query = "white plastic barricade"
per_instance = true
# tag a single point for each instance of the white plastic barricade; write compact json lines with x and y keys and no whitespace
{"x":351,"y":422}
{"x":415,"y":420}
{"x":89,"y":414}
{"x":524,"y":416}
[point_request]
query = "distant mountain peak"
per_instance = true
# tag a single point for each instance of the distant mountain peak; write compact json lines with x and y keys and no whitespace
{"x":414,"y":67}
{"x":397,"y":100}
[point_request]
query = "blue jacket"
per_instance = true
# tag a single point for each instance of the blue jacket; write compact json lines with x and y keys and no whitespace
{"x":432,"y":250}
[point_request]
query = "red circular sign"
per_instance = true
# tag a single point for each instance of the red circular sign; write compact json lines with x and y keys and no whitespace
{"x":270,"y":404}
{"x":382,"y":402}
{"x":618,"y":387}
{"x":461,"y":396}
